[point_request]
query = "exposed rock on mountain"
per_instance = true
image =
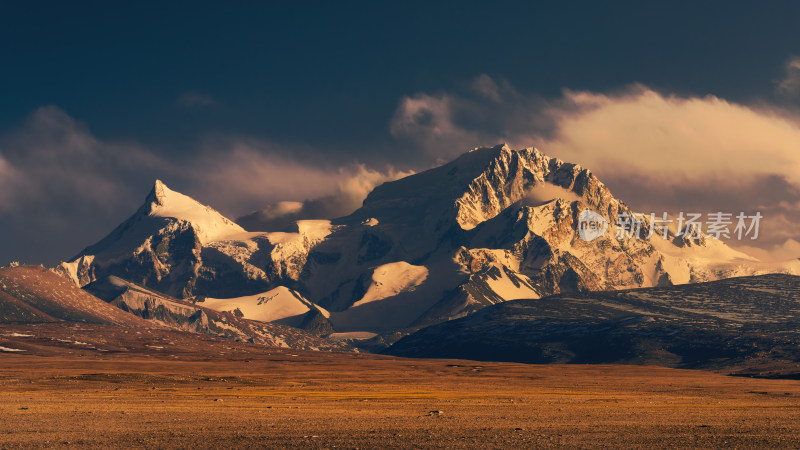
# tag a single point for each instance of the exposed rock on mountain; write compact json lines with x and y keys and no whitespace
{"x":493,"y":225}
{"x":161,"y":309}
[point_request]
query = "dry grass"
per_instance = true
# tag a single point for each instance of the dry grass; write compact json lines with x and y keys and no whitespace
{"x":322,"y":400}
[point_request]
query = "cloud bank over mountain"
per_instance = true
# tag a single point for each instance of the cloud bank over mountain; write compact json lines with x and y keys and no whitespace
{"x":657,"y":151}
{"x":61,"y":186}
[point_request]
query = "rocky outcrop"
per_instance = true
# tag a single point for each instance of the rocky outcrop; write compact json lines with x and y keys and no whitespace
{"x":490,"y":218}
{"x":168,"y":312}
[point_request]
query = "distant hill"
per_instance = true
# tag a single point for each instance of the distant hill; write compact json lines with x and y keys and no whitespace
{"x":743,"y":325}
{"x":35,"y":294}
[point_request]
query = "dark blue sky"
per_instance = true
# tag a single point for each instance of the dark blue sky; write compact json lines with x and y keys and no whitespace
{"x":101,"y":98}
{"x":333,"y":73}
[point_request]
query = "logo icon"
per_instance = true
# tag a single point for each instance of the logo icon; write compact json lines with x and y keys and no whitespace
{"x":591,"y":225}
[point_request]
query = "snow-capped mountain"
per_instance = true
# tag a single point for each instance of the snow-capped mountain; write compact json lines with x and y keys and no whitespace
{"x":163,"y":311}
{"x":159,"y":246}
{"x":493,"y":225}
{"x":280,"y":305}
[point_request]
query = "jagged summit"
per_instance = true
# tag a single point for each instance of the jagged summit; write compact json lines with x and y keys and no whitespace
{"x":163,"y":236}
{"x":477,"y":186}
{"x":159,"y":193}
{"x":164,"y":207}
{"x":209,"y":224}
{"x":492,"y":225}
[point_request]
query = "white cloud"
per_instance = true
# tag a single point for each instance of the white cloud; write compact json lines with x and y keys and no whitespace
{"x":62,"y":188}
{"x":423,"y":113}
{"x":673,"y":138}
{"x":360,"y":180}
{"x":242,"y":175}
{"x":543,"y":193}
{"x":55,"y":162}
{"x":790,"y":83}
{"x":789,"y":250}
{"x":637,"y":130}
{"x":54,"y":158}
{"x":656,"y":151}
{"x":487,"y":112}
{"x":354,"y":184}
{"x":245,"y":175}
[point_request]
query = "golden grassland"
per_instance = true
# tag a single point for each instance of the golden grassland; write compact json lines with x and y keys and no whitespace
{"x":326,"y":400}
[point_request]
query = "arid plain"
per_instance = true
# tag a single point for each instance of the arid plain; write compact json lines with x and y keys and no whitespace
{"x":169,"y":390}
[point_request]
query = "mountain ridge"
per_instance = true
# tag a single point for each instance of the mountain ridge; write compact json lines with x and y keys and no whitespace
{"x":511,"y":215}
{"x":738,"y":325}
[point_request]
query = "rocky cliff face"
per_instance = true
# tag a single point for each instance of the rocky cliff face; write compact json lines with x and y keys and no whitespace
{"x":165,"y":311}
{"x":493,"y":225}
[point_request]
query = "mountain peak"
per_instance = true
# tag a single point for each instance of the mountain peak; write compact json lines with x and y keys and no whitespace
{"x":496,"y":149}
{"x":477,"y":185}
{"x":494,"y":224}
{"x":207,"y":222}
{"x":159,"y":193}
{"x":164,"y":212}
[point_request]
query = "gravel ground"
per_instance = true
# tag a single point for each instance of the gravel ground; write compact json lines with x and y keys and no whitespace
{"x":283,"y":398}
